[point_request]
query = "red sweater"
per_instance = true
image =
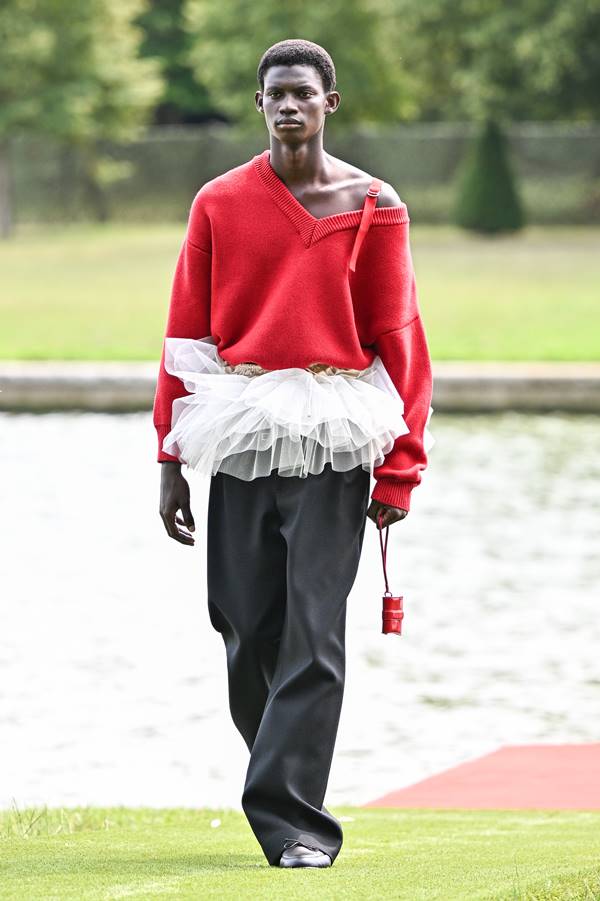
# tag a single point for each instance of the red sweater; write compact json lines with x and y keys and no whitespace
{"x":271,"y":283}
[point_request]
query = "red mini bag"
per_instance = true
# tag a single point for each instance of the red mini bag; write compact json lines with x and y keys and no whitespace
{"x":392,"y":614}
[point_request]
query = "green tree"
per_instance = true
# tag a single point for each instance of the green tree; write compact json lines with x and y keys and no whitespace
{"x":475,"y":58}
{"x":489,"y":60}
{"x":487,"y":200}
{"x":228,"y":40}
{"x":71,"y":71}
{"x":466,"y":56}
{"x":562,"y":58}
{"x":184,"y":97}
{"x":406,"y":60}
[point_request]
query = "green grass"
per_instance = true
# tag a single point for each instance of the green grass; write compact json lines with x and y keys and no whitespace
{"x":101,"y":292}
{"x":109,"y":853}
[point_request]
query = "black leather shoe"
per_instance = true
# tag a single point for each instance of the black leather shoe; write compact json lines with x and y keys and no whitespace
{"x":295,"y":854}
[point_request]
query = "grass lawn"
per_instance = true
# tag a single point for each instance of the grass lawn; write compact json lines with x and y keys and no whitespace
{"x":95,"y":853}
{"x":101,"y":292}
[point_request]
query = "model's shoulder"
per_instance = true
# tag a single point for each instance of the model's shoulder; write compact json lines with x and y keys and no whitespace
{"x":224,"y":185}
{"x":361,"y":180}
{"x":388,"y":196}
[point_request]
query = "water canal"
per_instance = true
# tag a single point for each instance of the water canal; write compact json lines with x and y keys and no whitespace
{"x":112,"y":680}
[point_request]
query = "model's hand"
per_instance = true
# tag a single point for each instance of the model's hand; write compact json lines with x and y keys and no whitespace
{"x":174,"y":496}
{"x":389,"y":516}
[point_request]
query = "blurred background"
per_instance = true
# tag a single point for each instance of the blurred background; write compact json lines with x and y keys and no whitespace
{"x":485,"y":117}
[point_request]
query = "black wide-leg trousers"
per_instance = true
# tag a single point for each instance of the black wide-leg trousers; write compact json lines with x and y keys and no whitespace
{"x":282,"y":556}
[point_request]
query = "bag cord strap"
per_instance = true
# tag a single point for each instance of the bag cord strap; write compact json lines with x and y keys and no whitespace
{"x":365,"y":220}
{"x":383,"y":549}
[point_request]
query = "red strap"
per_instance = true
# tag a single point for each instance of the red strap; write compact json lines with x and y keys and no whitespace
{"x":383,"y":548}
{"x":365,"y":219}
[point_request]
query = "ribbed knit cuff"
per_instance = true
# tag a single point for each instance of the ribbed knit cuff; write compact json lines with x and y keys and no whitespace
{"x":396,"y":494}
{"x":162,"y":431}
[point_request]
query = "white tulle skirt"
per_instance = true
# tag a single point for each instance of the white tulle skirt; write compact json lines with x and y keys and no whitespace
{"x":292,"y":420}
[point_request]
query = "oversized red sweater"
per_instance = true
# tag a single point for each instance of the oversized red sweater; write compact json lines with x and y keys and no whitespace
{"x":271,"y":283}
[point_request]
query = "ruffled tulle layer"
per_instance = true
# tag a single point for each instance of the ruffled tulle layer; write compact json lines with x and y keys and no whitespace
{"x":292,"y":420}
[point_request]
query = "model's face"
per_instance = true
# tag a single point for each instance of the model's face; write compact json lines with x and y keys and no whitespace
{"x":295,"y":93}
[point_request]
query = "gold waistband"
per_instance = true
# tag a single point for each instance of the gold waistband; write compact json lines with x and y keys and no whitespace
{"x":321,"y":368}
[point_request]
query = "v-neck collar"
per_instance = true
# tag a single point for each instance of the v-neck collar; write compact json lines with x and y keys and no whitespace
{"x":312,"y":228}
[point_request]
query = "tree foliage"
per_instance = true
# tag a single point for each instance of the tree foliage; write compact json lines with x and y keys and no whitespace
{"x":487,"y":197}
{"x":229,"y":39}
{"x":184,"y":98}
{"x":71,"y":69}
{"x":473,"y":59}
{"x":406,"y":60}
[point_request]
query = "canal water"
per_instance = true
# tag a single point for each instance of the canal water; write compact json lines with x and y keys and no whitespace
{"x":112,"y":680}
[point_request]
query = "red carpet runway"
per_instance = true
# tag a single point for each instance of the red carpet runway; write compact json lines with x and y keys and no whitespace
{"x":556,"y":777}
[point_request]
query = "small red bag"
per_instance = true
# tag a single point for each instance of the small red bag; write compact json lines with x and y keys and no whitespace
{"x":392,"y":613}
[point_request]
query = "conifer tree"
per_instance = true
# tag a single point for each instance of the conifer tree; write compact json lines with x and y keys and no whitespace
{"x":487,"y":198}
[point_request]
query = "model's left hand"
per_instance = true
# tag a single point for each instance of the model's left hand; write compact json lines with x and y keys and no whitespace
{"x":390,"y":514}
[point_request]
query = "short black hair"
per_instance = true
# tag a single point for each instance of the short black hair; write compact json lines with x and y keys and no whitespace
{"x":296,"y":52}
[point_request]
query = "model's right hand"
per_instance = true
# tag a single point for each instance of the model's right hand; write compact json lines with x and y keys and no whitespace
{"x":174,"y":496}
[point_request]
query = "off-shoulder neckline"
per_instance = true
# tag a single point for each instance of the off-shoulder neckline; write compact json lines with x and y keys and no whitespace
{"x":312,"y":228}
